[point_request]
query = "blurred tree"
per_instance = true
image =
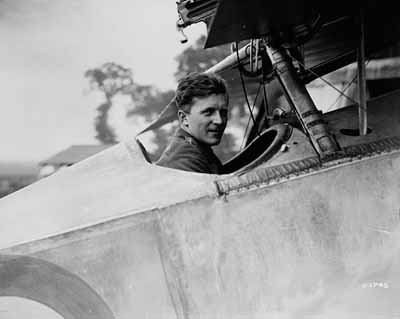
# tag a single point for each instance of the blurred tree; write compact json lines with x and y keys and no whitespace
{"x":110,"y":78}
{"x":196,"y":59}
{"x":148,"y":102}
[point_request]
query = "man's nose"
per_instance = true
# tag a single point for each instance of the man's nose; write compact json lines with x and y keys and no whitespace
{"x":217,"y":119}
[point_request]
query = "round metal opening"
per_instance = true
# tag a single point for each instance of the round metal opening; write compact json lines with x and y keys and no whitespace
{"x":17,"y":308}
{"x":353,"y":132}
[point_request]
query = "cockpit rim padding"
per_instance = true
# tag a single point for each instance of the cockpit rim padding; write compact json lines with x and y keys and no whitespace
{"x":261,"y":149}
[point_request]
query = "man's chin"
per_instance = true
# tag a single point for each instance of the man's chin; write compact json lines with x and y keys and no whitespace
{"x":214,"y":142}
{"x":210,"y":139}
{"x":214,"y":138}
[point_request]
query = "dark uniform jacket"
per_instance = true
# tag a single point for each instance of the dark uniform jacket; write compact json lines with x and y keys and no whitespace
{"x":184,"y":152}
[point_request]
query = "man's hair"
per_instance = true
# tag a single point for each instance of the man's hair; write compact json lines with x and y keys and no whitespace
{"x":198,"y":85}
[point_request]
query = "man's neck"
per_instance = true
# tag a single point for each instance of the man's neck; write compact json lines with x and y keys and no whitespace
{"x":186,"y":131}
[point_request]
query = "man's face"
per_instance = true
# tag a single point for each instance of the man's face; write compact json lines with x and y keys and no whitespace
{"x":207,"y":119}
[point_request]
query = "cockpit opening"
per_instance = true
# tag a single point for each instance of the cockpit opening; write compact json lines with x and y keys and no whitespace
{"x":262,"y":148}
{"x":353,"y":132}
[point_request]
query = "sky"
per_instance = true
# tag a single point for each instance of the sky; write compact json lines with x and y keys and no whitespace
{"x":47,"y":45}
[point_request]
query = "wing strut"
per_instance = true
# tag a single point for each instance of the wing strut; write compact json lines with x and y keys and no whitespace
{"x":362,"y":82}
{"x":297,"y":95}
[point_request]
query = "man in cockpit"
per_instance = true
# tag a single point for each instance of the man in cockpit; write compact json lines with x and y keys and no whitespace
{"x":202,"y":103}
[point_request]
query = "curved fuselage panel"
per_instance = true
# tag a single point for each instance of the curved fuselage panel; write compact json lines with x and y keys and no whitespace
{"x":152,"y":242}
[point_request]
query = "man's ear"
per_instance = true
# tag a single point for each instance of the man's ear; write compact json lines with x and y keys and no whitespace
{"x":182,"y":116}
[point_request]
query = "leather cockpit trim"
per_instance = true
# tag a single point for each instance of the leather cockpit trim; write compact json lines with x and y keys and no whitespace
{"x":264,"y":176}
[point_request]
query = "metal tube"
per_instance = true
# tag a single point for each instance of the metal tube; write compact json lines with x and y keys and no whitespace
{"x":298,"y":96}
{"x":229,"y":62}
{"x":362,"y":82}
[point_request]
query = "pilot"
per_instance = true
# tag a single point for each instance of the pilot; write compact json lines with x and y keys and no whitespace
{"x":202,"y":103}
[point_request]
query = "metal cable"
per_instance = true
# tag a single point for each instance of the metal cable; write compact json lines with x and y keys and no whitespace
{"x":345,"y":89}
{"x":244,"y":86}
{"x":248,"y":122}
{"x":347,"y":86}
{"x":320,"y":77}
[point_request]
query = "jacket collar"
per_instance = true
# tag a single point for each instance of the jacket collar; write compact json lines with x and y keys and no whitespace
{"x":188,"y":138}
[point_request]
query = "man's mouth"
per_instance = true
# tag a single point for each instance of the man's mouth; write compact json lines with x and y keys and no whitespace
{"x":216,"y":131}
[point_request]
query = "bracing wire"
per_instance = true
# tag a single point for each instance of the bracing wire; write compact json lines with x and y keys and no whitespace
{"x":248,"y":122}
{"x":321,"y":78}
{"x":344,"y":89}
{"x":244,"y":86}
{"x":265,"y":101}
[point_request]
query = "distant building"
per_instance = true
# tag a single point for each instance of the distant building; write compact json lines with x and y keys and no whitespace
{"x":16,"y":175}
{"x":68,"y":157}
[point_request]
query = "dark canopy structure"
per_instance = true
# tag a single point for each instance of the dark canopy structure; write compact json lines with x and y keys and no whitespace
{"x":324,"y":35}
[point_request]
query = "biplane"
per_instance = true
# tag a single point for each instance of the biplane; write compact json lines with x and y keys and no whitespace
{"x":304,"y":224}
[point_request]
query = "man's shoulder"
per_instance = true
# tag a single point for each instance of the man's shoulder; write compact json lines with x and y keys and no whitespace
{"x":182,"y":144}
{"x":184,"y":154}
